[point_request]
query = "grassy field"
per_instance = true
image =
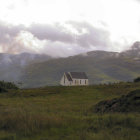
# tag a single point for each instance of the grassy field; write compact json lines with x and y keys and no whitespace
{"x":66,"y":113}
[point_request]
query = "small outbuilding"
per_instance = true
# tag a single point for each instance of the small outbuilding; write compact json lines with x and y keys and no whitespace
{"x":74,"y":79}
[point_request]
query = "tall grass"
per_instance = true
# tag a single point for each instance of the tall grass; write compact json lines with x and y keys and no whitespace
{"x":24,"y":124}
{"x":63,"y":113}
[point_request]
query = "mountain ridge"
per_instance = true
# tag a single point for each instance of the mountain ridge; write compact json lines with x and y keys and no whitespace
{"x":100,"y":66}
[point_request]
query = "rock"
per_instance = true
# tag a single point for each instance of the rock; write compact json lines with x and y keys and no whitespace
{"x":126,"y":103}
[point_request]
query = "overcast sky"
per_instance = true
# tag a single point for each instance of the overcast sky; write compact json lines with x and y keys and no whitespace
{"x":68,"y":27}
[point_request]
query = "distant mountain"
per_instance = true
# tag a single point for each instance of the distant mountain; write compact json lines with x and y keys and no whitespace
{"x":22,"y":59}
{"x":12,"y":66}
{"x":100,"y":66}
{"x":35,"y":70}
{"x":133,"y":52}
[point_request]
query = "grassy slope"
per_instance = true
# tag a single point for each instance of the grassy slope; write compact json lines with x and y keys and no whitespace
{"x":64,"y":113}
{"x":99,"y":70}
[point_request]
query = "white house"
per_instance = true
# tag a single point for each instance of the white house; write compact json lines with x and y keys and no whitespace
{"x":74,"y":79}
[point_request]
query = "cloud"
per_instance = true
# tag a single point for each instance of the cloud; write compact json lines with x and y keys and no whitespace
{"x":138,"y":1}
{"x":89,"y":36}
{"x":51,"y":32}
{"x":23,"y":41}
{"x":82,"y":34}
{"x":8,"y":34}
{"x":55,"y":40}
{"x":8,"y":31}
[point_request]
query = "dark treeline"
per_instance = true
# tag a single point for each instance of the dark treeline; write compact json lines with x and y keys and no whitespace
{"x":4,"y":86}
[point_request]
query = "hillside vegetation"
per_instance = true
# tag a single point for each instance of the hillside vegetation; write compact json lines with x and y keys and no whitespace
{"x":12,"y":65}
{"x":100,"y":67}
{"x":36,"y":70}
{"x":66,"y":113}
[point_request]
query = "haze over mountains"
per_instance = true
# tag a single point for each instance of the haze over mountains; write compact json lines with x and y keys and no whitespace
{"x":12,"y":66}
{"x":35,"y":70}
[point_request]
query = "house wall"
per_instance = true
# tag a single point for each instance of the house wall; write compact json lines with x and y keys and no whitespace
{"x":75,"y":82}
{"x":80,"y":82}
{"x":66,"y":83}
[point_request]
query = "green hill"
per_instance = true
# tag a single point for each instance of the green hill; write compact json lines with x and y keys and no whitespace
{"x":12,"y":65}
{"x":36,"y":70}
{"x":100,"y":67}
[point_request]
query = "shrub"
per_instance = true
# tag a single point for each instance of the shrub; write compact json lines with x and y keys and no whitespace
{"x":126,"y":103}
{"x":2,"y":90}
{"x":7,"y":85}
{"x":137,"y":80}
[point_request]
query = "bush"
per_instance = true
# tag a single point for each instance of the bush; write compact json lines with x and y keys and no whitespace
{"x":2,"y":90}
{"x":7,"y":85}
{"x":137,"y":80}
{"x":126,"y":103}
